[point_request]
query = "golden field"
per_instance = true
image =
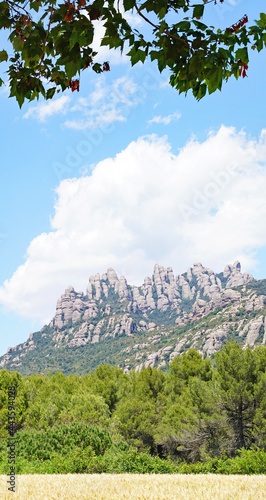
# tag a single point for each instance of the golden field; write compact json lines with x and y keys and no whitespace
{"x":135,"y":487}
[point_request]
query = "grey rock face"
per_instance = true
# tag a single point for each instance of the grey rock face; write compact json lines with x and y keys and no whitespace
{"x":111,"y":276}
{"x":94,"y":289}
{"x":264,"y":336}
{"x":214,"y":340}
{"x":122,"y":289}
{"x":64,"y":308}
{"x":235,"y":277}
{"x":252,"y":330}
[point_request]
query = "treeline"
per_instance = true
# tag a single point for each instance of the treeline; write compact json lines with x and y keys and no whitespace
{"x":196,"y":418}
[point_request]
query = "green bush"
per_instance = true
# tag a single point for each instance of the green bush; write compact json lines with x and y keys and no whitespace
{"x":247,"y":462}
{"x":68,"y":448}
{"x":137,"y":463}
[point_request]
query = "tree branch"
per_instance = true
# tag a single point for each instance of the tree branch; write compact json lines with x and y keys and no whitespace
{"x":46,"y":38}
{"x":18,"y":8}
{"x":158,"y":27}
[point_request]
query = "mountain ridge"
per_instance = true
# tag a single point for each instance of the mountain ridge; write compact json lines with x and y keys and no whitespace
{"x":124,"y":324}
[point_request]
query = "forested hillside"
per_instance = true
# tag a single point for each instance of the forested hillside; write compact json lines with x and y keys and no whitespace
{"x":194,"y":418}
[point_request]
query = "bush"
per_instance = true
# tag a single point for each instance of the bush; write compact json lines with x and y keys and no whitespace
{"x":247,"y":462}
{"x":135,"y":463}
{"x":64,"y":449}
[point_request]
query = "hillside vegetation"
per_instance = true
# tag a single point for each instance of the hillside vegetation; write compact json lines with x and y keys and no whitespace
{"x":194,"y":418}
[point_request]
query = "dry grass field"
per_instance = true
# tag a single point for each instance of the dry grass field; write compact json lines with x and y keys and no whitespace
{"x":135,"y":487}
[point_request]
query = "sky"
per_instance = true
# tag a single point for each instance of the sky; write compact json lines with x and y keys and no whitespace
{"x":125,"y":174}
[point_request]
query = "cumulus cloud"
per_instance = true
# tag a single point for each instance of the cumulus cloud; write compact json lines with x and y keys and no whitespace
{"x":44,"y":110}
{"x":148,"y":204}
{"x":165,"y":120}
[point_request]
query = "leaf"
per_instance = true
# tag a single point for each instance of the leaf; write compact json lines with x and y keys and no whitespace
{"x":242,"y":54}
{"x":136,"y":55}
{"x":106,"y":66}
{"x":183,"y":26}
{"x":202,"y":91}
{"x":94,"y":14}
{"x":198,"y":11}
{"x":50,"y":93}
{"x":3,"y":55}
{"x":35,"y":6}
{"x":128,"y":4}
{"x":20,"y":98}
{"x":200,"y":25}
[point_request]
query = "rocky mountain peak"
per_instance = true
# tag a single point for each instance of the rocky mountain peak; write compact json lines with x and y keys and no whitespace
{"x":161,"y":291}
{"x":162,"y":305}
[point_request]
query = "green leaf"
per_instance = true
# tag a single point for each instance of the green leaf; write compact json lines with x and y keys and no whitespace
{"x":242,"y":54}
{"x":183,"y":26}
{"x":35,"y":6}
{"x":136,"y":55}
{"x":20,"y":98}
{"x":200,"y":25}
{"x":72,"y":67}
{"x":198,"y":11}
{"x":3,"y":55}
{"x":50,"y":93}
{"x":202,"y":91}
{"x":128,"y":4}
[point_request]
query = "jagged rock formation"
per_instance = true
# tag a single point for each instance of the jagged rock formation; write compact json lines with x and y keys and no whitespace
{"x":235,"y":278}
{"x":164,"y":310}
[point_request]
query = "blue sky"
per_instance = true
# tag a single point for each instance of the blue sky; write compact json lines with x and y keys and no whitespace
{"x":127,"y":173}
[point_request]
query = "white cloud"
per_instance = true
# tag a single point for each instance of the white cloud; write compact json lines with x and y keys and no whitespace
{"x":107,"y":103}
{"x":44,"y":110}
{"x":147,"y":205}
{"x":165,"y":120}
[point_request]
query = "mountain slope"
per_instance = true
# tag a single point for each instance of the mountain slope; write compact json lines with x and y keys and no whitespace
{"x":149,"y":325}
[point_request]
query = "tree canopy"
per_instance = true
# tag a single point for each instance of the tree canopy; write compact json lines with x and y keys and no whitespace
{"x":192,"y":418}
{"x":51,"y":41}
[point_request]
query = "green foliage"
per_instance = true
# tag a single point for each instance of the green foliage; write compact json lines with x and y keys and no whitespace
{"x":238,"y":375}
{"x":88,"y":408}
{"x":257,"y":285}
{"x":247,"y":462}
{"x":136,"y":422}
{"x":134,"y":462}
{"x":68,"y":448}
{"x":185,"y":367}
{"x":53,"y":42}
{"x":186,"y":305}
{"x":193,"y":419}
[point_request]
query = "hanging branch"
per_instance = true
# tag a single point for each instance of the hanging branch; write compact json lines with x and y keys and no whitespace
{"x":46,"y":38}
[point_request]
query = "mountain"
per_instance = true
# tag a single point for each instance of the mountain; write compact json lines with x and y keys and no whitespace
{"x":149,"y":325}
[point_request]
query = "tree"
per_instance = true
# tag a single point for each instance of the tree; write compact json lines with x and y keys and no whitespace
{"x":183,"y":368}
{"x":241,"y":378}
{"x":109,"y":382}
{"x":52,"y":42}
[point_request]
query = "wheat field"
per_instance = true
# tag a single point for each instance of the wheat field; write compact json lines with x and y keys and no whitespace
{"x":135,"y":487}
